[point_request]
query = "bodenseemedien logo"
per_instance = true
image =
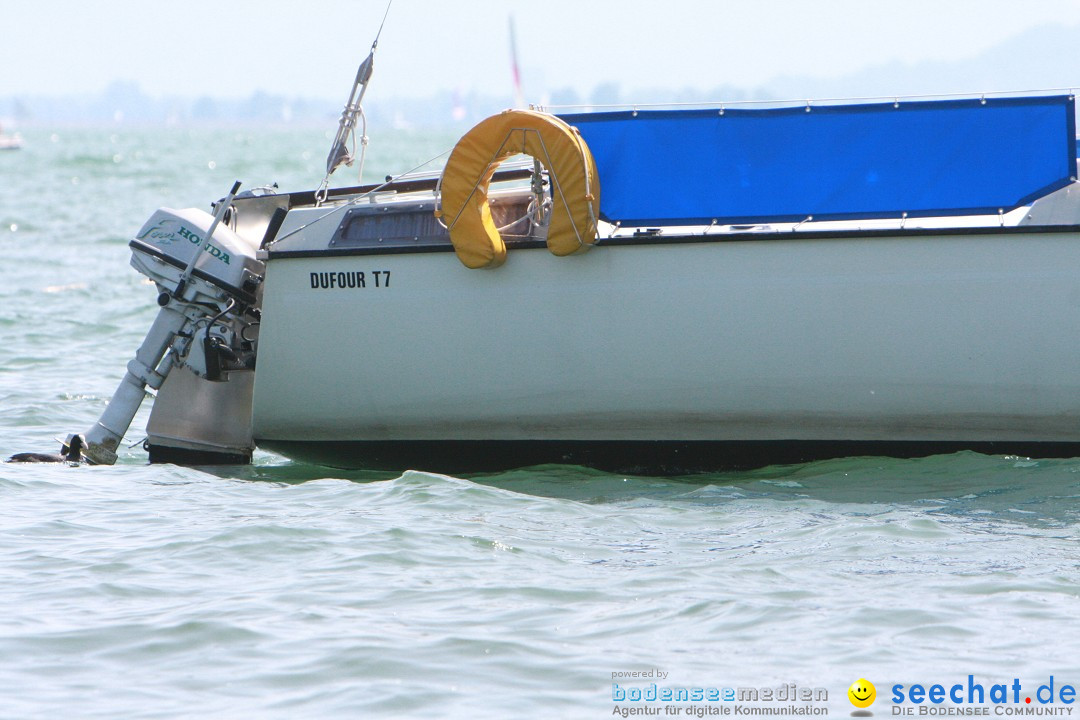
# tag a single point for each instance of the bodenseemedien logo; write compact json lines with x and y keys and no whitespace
{"x":862,"y":694}
{"x":700,"y":701}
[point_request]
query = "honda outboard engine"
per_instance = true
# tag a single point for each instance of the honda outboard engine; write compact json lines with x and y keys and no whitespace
{"x":208,"y":280}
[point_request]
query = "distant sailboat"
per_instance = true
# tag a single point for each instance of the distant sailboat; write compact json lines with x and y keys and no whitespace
{"x":458,"y":112}
{"x":519,"y":97}
{"x":10,"y":142}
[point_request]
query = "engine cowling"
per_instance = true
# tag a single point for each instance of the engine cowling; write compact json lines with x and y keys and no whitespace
{"x":166,"y":242}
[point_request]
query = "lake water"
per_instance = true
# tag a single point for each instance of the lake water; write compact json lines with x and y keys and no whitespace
{"x":285,"y":590}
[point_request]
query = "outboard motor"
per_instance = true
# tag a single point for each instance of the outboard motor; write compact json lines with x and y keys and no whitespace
{"x":208,"y":279}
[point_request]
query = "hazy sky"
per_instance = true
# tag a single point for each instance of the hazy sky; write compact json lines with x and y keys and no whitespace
{"x":312,"y":48}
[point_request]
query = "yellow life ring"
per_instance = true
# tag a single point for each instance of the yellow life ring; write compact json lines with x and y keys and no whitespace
{"x":575,"y":188}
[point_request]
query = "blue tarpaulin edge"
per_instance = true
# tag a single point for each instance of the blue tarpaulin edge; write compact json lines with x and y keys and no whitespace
{"x":871,"y":160}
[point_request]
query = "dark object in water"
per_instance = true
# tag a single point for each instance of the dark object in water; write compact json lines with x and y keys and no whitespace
{"x":70,"y":452}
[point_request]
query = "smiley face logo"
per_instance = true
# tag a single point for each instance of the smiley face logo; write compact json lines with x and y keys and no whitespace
{"x":862,"y":693}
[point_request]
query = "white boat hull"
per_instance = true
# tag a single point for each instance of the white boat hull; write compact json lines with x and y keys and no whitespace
{"x":964,"y":337}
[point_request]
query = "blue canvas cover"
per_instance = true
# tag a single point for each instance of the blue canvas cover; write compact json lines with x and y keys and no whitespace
{"x":945,"y":157}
